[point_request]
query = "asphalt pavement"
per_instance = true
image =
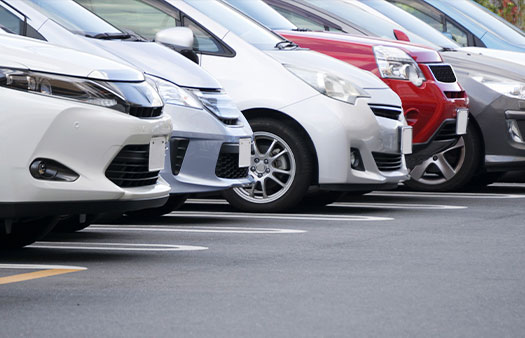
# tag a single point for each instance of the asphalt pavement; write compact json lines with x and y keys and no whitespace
{"x":387,"y":264}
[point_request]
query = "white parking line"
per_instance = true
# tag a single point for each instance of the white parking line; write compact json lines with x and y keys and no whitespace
{"x":202,"y":229}
{"x":299,"y":217}
{"x":397,"y":206}
{"x":40,"y":267}
{"x":115,"y":246}
{"x":446,"y":195}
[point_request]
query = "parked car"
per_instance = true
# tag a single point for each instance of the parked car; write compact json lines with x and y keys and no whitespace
{"x":495,"y":89}
{"x":310,"y":113}
{"x":209,"y":130}
{"x":434,"y":103}
{"x":467,"y":23}
{"x":76,"y":139}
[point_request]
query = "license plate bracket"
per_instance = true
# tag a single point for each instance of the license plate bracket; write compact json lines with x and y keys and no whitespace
{"x":461,"y":121}
{"x":406,"y":140}
{"x":157,"y":153}
{"x":245,"y":152}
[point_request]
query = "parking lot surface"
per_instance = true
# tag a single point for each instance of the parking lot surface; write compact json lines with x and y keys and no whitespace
{"x":384,"y":264}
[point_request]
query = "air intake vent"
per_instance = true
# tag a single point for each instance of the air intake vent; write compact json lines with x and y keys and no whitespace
{"x":145,"y":112}
{"x":228,"y":163}
{"x":388,"y":162}
{"x":443,"y":73}
{"x":178,"y":147}
{"x":130,"y":168}
{"x":389,"y":112}
{"x":456,"y":95}
{"x":447,"y":131}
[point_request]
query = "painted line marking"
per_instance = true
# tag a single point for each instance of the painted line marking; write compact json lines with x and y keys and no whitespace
{"x":300,"y":217}
{"x":115,"y":246}
{"x":49,"y":270}
{"x":446,"y":195}
{"x":201,"y":229}
{"x":397,"y":206}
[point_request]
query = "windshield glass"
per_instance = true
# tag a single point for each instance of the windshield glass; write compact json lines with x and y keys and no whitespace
{"x":73,"y":17}
{"x":367,"y":18}
{"x":411,"y":23}
{"x":263,"y":13}
{"x":246,"y":28}
{"x":489,"y":20}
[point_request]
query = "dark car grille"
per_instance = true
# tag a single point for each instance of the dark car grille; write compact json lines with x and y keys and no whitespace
{"x":228,"y":163}
{"x":388,"y":162}
{"x":389,"y":112}
{"x":178,"y":147}
{"x":447,"y":131}
{"x":443,"y":73}
{"x":229,"y":122}
{"x":130,"y":168}
{"x":143,"y":112}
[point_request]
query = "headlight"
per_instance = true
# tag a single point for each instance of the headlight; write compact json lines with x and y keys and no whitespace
{"x":330,"y":85}
{"x":173,"y":94}
{"x":218,"y":103}
{"x":394,"y":63}
{"x":65,"y":87}
{"x":507,"y":87}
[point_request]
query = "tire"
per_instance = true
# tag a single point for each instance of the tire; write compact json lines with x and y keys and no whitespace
{"x":321,"y":198}
{"x":25,"y":232}
{"x":282,"y":166}
{"x":73,"y":224}
{"x":173,"y":203}
{"x":484,"y":179}
{"x":451,"y":169}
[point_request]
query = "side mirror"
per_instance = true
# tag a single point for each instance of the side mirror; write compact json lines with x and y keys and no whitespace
{"x":177,"y":37}
{"x":401,"y":36}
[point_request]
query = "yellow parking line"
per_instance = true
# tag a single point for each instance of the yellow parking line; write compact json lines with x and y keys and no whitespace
{"x":35,"y":275}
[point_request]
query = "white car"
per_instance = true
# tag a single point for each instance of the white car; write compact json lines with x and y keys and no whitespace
{"x":75,"y":138}
{"x":312,"y":116}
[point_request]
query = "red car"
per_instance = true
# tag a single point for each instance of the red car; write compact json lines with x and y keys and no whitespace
{"x":434,"y":103}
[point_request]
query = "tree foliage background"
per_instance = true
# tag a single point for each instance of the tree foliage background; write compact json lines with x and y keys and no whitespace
{"x":512,"y":10}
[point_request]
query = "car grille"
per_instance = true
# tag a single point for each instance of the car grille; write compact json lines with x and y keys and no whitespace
{"x":228,"y":164}
{"x":178,"y":148}
{"x":388,"y":162}
{"x":447,"y":131}
{"x":130,"y":168}
{"x":389,"y":112}
{"x":229,"y":122}
{"x":443,"y":73}
{"x":456,"y":95}
{"x":143,"y":112}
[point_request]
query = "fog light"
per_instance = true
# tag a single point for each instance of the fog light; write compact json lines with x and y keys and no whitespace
{"x":514,"y":131}
{"x":49,"y":170}
{"x":356,"y":162}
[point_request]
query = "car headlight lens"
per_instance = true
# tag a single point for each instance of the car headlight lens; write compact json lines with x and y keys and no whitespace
{"x":218,"y":103}
{"x":65,"y":87}
{"x":393,"y":63}
{"x":328,"y":84}
{"x":173,"y":94}
{"x":507,"y":87}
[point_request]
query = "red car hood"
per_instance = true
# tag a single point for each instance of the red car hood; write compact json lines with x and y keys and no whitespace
{"x":417,"y":52}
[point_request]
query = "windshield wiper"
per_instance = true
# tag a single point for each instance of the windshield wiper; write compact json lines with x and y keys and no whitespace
{"x":286,"y":44}
{"x":110,"y":36}
{"x":301,"y":30}
{"x":448,"y":49}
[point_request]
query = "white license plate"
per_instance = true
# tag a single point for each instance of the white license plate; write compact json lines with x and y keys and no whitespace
{"x":245,"y":152}
{"x":461,"y":121}
{"x":406,"y":140}
{"x":157,"y":152}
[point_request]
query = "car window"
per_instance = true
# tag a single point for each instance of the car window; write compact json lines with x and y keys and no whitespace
{"x":204,"y":41}
{"x":304,"y":22}
{"x":10,"y":21}
{"x":134,"y":15}
{"x":457,"y":33}
{"x":436,"y":21}
{"x":262,"y":12}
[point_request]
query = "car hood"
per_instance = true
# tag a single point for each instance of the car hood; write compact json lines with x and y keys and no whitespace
{"x":516,"y":57}
{"x":25,"y":53}
{"x":309,"y":59}
{"x":419,"y":53}
{"x":158,"y":60}
{"x":473,"y":64}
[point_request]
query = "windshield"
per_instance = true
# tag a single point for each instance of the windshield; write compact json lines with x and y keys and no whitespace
{"x":73,"y":17}
{"x":246,"y":28}
{"x":411,"y":23}
{"x":489,"y":20}
{"x":263,"y":13}
{"x":366,"y":18}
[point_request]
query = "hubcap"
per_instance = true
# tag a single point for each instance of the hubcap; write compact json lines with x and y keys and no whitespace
{"x":272,"y":168}
{"x":441,"y":167}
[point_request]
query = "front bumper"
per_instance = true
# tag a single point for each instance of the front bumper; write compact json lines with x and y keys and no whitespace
{"x":338,"y":128}
{"x":197,"y":149}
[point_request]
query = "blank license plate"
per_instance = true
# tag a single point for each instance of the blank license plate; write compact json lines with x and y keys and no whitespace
{"x":406,"y":140}
{"x":461,"y":121}
{"x":245,"y":152}
{"x":157,"y":152}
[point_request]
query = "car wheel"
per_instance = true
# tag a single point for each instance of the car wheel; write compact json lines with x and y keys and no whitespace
{"x":25,"y":232}
{"x":173,"y":203}
{"x":451,"y":169}
{"x":282,"y":167}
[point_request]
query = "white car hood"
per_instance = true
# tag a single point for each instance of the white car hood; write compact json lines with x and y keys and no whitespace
{"x":313,"y":60}
{"x":516,"y":57}
{"x":31,"y":54}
